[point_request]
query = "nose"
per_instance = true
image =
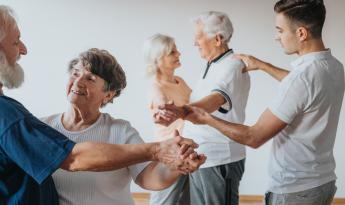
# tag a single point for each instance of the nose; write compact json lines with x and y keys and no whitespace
{"x":22,"y":49}
{"x":196,"y":43}
{"x":79,"y":81}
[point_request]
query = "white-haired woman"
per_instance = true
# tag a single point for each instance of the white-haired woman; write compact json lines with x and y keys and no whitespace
{"x":222,"y":90}
{"x":162,"y":59}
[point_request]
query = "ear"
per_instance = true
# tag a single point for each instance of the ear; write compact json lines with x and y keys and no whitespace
{"x":219,"y":40}
{"x":108,"y":97}
{"x":302,"y":33}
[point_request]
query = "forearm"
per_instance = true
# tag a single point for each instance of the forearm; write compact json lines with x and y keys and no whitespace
{"x":210,"y":103}
{"x":242,"y":134}
{"x":277,"y":73}
{"x":91,"y":156}
{"x":208,"y":107}
{"x":157,"y":176}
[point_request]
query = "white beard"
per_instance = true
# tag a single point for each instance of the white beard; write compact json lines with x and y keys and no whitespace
{"x":10,"y":76}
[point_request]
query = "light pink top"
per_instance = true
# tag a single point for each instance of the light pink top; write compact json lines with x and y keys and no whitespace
{"x":162,"y":92}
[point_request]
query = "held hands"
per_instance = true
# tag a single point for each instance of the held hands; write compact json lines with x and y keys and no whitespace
{"x":178,"y":154}
{"x":251,"y":62}
{"x":168,"y":113}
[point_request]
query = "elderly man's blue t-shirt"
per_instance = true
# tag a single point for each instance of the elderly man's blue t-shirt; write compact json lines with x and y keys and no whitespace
{"x":30,"y":151}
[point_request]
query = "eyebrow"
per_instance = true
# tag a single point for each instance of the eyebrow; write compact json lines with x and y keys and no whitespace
{"x":75,"y":69}
{"x":277,"y":27}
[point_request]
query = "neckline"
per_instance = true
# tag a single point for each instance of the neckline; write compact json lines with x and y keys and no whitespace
{"x":220,"y":56}
{"x":312,"y":55}
{"x":79,"y":131}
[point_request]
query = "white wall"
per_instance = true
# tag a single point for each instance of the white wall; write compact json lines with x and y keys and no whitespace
{"x":56,"y":31}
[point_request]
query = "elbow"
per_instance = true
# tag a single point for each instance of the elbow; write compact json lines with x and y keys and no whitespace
{"x":254,"y":141}
{"x":159,"y":188}
{"x":74,"y":161}
{"x":156,"y":187}
{"x":72,"y":164}
{"x":151,"y":185}
{"x":254,"y":145}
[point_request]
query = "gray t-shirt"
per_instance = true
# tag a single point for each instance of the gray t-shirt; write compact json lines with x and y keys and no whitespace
{"x":309,"y":101}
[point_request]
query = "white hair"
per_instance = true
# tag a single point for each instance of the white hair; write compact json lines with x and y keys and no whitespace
{"x":215,"y":23}
{"x":10,"y":76}
{"x":7,"y":20}
{"x":154,"y":49}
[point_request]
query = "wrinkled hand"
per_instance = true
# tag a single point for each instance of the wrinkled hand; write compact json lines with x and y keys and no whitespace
{"x":175,"y":152}
{"x":251,"y":62}
{"x":168,"y":113}
{"x":192,"y":163}
{"x":191,"y":160}
{"x":197,"y":115}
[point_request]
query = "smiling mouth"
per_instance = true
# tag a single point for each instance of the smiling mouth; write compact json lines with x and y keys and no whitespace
{"x":77,"y":92}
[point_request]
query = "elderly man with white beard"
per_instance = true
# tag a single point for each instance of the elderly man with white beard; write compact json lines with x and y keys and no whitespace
{"x":30,"y":151}
{"x":11,"y":73}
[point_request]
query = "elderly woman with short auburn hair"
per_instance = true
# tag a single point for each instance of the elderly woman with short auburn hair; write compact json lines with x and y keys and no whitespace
{"x":96,"y":79}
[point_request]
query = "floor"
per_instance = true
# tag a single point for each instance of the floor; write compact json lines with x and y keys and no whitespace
{"x":143,"y":199}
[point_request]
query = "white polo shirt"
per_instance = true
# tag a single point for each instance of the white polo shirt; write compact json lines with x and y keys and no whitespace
{"x":224,"y":76}
{"x":309,"y":101}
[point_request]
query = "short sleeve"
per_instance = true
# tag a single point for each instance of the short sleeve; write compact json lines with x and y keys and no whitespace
{"x":225,"y":85}
{"x":131,"y":136}
{"x":292,"y":98}
{"x":35,"y":147}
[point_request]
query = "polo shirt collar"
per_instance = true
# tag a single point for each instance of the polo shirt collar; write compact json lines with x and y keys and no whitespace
{"x":220,"y":56}
{"x":230,"y":51}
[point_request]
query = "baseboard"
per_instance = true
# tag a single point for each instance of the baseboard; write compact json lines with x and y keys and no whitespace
{"x":339,"y":201}
{"x":258,"y":198}
{"x":243,"y":198}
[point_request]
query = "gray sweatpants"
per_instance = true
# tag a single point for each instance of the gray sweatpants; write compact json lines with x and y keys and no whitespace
{"x":216,"y":185}
{"x":322,"y":195}
{"x":176,"y":194}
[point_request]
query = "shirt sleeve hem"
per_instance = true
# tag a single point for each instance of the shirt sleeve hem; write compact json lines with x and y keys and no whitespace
{"x":55,"y":163}
{"x":227,"y":98}
{"x":280,"y":115}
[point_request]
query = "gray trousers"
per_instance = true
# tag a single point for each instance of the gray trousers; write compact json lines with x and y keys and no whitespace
{"x":176,"y":194}
{"x":216,"y":185}
{"x":322,"y":195}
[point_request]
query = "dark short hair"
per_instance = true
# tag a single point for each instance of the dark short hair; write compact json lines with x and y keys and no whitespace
{"x":308,"y":13}
{"x":104,"y":65}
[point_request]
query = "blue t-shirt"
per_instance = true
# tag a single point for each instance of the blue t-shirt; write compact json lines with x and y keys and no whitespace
{"x":30,"y":151}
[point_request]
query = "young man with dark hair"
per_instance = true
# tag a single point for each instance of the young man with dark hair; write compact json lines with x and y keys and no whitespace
{"x":303,"y":118}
